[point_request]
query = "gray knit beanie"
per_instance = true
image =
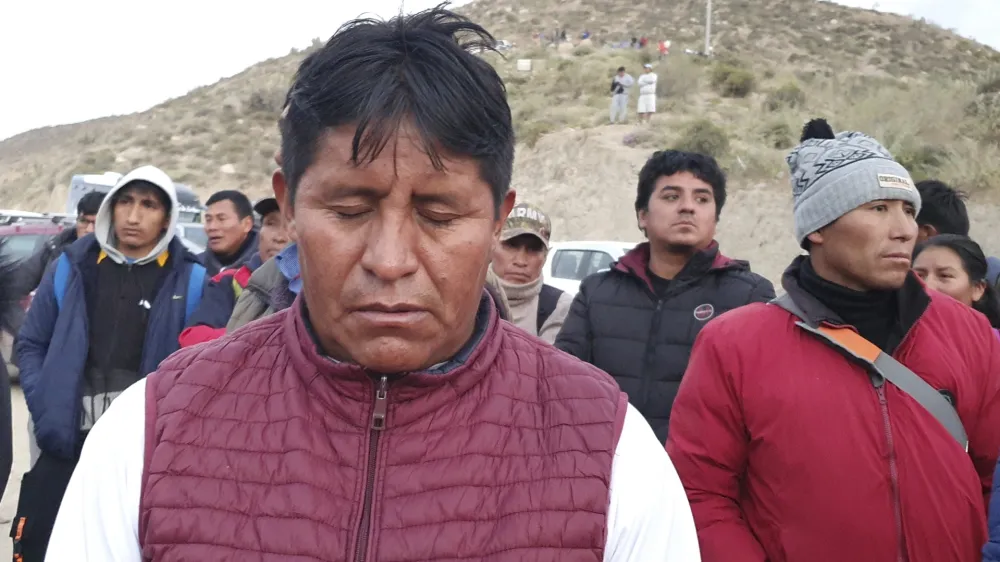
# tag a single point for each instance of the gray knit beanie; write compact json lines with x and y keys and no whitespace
{"x":833,"y":176}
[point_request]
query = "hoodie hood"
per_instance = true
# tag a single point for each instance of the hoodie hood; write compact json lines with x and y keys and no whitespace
{"x":104,"y":229}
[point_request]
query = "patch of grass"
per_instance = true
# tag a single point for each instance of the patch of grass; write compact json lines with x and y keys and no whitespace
{"x":777,"y":135}
{"x":732,"y":81}
{"x":787,"y":96}
{"x":582,"y":50}
{"x":704,"y":137}
{"x":991,"y":85}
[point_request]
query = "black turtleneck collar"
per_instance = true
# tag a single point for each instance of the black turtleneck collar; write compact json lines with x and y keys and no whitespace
{"x":881,"y":317}
{"x":872,"y":313}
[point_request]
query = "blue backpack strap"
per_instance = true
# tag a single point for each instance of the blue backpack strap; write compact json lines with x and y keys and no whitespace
{"x":196,"y":282}
{"x":61,"y":278}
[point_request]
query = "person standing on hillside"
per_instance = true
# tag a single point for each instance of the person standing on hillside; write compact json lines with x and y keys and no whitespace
{"x":647,"y":93}
{"x":232,"y":238}
{"x":106,"y":314}
{"x":639,"y":320}
{"x":537,"y":308}
{"x":620,"y":86}
{"x":388,"y":414}
{"x":213,"y":314}
{"x":857,"y":417}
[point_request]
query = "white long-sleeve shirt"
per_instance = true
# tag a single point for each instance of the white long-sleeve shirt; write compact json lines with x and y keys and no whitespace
{"x":647,"y":84}
{"x":648,"y":516}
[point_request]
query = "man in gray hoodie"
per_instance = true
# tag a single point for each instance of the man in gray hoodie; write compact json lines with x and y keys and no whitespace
{"x":620,"y":85}
{"x":105,"y":315}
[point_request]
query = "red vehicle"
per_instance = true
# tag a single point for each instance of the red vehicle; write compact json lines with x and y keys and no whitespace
{"x":21,"y":241}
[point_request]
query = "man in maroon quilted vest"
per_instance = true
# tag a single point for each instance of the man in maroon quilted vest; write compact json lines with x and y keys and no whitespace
{"x":388,"y":414}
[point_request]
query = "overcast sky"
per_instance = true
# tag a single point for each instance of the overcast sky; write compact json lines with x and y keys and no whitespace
{"x":104,"y":57}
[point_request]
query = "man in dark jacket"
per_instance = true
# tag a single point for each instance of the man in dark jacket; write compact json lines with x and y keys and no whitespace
{"x":209,"y":321}
{"x":105,"y":315}
{"x":792,"y":431}
{"x":639,"y":320}
{"x":32,"y":269}
{"x":229,"y":226}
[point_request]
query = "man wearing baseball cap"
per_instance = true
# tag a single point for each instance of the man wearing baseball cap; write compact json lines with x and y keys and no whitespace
{"x":857,"y":417}
{"x":535,"y":307}
{"x":210,"y":319}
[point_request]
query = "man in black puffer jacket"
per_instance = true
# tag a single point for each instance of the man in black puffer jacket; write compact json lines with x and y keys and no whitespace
{"x":639,"y":320}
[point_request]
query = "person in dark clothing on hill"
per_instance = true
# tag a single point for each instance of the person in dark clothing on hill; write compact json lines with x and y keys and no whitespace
{"x":209,"y":321}
{"x":32,"y":269}
{"x":107,"y":312}
{"x":639,"y":320}
{"x":857,"y":417}
{"x":232,"y":238}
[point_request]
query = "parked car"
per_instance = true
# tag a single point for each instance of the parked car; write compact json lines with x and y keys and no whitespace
{"x":569,"y":263}
{"x":193,"y":232}
{"x":21,"y":241}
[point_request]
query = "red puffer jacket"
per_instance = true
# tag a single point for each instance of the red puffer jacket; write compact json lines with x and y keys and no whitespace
{"x":258,"y":447}
{"x":789,"y":453}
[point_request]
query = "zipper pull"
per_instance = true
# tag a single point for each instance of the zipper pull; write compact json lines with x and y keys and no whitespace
{"x":381,"y":404}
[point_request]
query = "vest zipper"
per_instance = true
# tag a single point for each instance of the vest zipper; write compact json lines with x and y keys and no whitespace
{"x":893,"y":473}
{"x":378,"y":424}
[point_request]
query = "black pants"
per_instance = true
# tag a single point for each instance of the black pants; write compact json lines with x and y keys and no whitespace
{"x":42,"y":490}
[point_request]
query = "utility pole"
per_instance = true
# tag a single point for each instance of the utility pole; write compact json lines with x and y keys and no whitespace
{"x":708,"y":28}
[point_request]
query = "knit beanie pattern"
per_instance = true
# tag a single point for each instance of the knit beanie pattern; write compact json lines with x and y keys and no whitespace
{"x":832,"y":177}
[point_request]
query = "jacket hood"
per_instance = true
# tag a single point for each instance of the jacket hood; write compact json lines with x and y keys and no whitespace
{"x":104,"y":225}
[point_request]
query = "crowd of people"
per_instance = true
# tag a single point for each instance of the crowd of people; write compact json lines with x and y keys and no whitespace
{"x":369,"y":365}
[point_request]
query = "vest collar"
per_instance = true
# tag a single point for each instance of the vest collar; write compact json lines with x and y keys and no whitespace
{"x":417,"y":393}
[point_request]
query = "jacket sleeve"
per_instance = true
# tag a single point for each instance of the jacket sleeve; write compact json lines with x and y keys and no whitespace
{"x":763,"y":291}
{"x":32,"y":343}
{"x":209,"y":320}
{"x":554,"y":323}
{"x":984,"y":436}
{"x":575,"y":336}
{"x":708,"y":443}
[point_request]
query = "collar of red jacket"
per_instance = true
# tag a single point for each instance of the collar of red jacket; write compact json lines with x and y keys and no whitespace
{"x":636,"y":262}
{"x":433,"y":387}
{"x":913,"y":299}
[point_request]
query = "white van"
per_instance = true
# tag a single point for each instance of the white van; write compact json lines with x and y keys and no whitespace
{"x":569,"y":263}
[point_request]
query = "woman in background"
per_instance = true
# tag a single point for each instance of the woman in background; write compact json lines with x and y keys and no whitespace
{"x":956,"y":266}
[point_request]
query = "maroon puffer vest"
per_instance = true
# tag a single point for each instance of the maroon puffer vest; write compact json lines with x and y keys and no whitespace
{"x":258,"y":448}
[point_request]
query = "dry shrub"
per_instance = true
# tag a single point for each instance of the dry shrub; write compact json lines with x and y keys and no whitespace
{"x":733,"y":82}
{"x":777,"y":135}
{"x":582,"y":50}
{"x":787,"y":96}
{"x":680,"y":79}
{"x":991,"y":85}
{"x":704,"y":137}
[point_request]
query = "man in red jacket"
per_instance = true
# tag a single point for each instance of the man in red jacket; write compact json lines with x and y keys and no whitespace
{"x":388,"y":413}
{"x":793,"y":450}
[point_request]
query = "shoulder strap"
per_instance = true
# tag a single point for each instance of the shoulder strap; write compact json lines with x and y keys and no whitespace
{"x":196,"y":282}
{"x":61,"y":278}
{"x":858,"y":348}
{"x":548,"y":298}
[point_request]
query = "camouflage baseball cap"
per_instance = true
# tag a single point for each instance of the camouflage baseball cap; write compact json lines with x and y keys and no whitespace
{"x":527,"y":219}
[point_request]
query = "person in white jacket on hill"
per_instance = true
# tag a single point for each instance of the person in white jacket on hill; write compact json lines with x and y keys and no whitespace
{"x":647,"y":93}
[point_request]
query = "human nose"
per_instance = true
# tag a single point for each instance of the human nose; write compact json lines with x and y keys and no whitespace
{"x":389,"y":253}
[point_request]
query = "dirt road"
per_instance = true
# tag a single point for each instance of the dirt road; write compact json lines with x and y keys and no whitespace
{"x":9,"y":504}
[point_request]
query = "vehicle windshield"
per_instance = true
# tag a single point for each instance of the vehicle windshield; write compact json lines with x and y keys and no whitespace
{"x":21,"y":246}
{"x":196,"y":234}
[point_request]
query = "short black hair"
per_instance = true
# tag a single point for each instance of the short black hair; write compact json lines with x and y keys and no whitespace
{"x":670,"y":162}
{"x":90,"y":203}
{"x":143,"y":186}
{"x":242,"y":203}
{"x":942,"y":207}
{"x":621,"y":69}
{"x":377,"y":74}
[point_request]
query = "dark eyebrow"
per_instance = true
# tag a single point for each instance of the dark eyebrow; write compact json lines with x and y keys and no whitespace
{"x":678,"y":188}
{"x":356,"y":191}
{"x":445,"y":199}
